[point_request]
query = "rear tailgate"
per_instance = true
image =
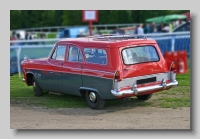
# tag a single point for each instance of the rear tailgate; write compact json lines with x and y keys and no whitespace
{"x":143,"y":71}
{"x":142,"y":60}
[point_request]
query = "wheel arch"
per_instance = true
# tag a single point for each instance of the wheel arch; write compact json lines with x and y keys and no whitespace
{"x":84,"y":89}
{"x":29,"y":78}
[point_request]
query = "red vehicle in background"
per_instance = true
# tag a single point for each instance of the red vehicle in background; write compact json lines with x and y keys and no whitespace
{"x":102,"y":67}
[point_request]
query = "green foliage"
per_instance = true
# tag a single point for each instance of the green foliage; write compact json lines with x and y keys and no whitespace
{"x":57,"y":18}
{"x":184,"y":79}
{"x":43,"y":18}
{"x":15,"y":21}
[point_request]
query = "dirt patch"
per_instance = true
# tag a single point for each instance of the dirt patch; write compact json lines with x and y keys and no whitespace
{"x":30,"y":117}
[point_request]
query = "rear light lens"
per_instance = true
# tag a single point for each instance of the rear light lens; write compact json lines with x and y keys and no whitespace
{"x":117,"y":75}
{"x":173,"y":67}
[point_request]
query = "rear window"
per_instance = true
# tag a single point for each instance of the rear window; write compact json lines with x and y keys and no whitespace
{"x":96,"y":56}
{"x":141,"y":54}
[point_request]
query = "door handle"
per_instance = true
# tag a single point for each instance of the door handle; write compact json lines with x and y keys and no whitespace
{"x":80,"y":66}
{"x":60,"y":63}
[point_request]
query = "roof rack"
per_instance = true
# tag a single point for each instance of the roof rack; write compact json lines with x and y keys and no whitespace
{"x":115,"y":37}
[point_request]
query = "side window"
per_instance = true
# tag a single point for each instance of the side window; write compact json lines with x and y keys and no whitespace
{"x":59,"y":53}
{"x":96,"y":56}
{"x":74,"y":54}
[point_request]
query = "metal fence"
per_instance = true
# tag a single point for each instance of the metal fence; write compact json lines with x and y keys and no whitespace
{"x":58,"y":28}
{"x":41,"y":48}
{"x":172,"y":41}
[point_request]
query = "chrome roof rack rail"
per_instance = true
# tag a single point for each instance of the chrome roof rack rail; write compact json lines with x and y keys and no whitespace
{"x":104,"y":37}
{"x":115,"y":37}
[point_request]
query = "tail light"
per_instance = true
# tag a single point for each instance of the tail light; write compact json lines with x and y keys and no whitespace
{"x":173,"y":67}
{"x":117,"y":75}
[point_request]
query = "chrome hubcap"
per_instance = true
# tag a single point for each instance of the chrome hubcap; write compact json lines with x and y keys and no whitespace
{"x":92,"y":96}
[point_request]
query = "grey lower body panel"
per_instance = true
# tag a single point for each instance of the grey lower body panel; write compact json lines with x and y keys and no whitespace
{"x":69,"y":83}
{"x":102,"y":85}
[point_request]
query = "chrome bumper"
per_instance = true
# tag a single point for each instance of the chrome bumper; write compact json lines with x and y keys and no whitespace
{"x":136,"y":90}
{"x":23,"y":80}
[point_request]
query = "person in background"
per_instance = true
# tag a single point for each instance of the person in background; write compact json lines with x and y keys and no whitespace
{"x":146,"y":28}
{"x":136,"y":30}
{"x":177,"y":23}
{"x":160,"y":27}
{"x":13,"y":37}
{"x":171,"y":26}
{"x":28,"y":36}
{"x":153,"y":28}
{"x":42,"y":36}
{"x":140,"y":30}
{"x":18,"y":37}
{"x":166,"y":28}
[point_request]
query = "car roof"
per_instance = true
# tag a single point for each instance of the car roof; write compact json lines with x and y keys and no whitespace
{"x":106,"y":41}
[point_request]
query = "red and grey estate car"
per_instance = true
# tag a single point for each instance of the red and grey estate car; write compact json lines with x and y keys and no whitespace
{"x":102,"y":67}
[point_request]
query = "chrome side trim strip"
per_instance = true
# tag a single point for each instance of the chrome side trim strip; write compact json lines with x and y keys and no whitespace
{"x":136,"y":90}
{"x":71,"y":73}
{"x":84,"y":69}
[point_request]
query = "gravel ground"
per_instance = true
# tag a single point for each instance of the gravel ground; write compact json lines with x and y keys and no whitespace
{"x":109,"y":118}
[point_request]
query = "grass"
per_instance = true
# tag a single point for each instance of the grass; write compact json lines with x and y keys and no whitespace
{"x":176,"y":97}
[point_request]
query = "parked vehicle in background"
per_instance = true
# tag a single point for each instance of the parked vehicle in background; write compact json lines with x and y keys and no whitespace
{"x":102,"y":67}
{"x":183,"y":27}
{"x":73,"y":32}
{"x":125,"y":31}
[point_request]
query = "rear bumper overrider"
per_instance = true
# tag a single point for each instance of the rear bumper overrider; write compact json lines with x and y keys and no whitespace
{"x":135,"y":90}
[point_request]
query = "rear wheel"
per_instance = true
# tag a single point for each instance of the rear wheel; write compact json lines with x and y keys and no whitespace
{"x":144,"y":97}
{"x":36,"y":88}
{"x":94,"y":101}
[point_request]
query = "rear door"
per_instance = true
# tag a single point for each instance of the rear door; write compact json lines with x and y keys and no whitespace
{"x":72,"y":70}
{"x":140,"y":61}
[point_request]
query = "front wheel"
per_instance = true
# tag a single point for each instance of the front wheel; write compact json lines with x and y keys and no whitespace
{"x":36,"y":88}
{"x":144,"y":97}
{"x":94,"y":101}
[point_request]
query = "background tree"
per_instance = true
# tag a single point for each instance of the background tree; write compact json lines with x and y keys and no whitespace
{"x":72,"y":17}
{"x":43,"y":18}
{"x":58,"y":17}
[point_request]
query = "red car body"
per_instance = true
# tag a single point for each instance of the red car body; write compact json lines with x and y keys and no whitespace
{"x":106,"y":67}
